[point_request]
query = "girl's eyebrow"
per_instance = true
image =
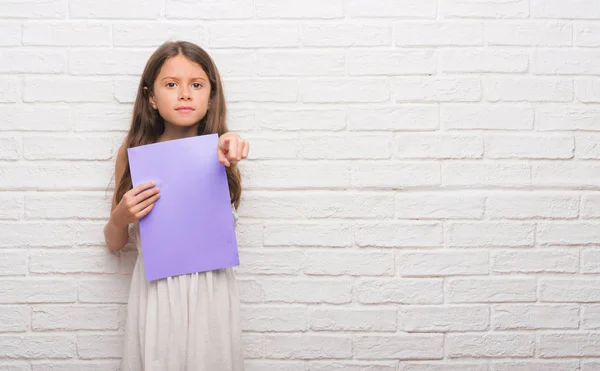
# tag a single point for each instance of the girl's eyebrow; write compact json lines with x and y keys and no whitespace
{"x":176,"y":78}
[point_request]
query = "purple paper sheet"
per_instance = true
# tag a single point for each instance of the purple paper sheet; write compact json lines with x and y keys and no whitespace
{"x":191,"y":228}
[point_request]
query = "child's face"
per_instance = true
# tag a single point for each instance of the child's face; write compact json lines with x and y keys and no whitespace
{"x":181,"y":92}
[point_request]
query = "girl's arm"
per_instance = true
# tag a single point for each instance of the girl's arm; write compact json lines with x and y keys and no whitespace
{"x":115,"y":234}
{"x":134,"y":205}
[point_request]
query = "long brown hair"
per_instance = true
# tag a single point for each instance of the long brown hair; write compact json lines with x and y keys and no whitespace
{"x":147,"y":124}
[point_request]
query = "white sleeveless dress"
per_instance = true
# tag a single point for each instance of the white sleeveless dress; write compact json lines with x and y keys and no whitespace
{"x":183,"y":323}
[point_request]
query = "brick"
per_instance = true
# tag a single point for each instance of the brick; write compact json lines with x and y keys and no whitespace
{"x":253,"y":345}
{"x":316,"y":204}
{"x":442,"y":366}
{"x":587,"y":146}
{"x":293,"y":9}
{"x":37,"y":346}
{"x":125,"y":89}
{"x":438,"y":33}
{"x":330,"y":119}
{"x":367,"y":90}
{"x":354,"y":146}
{"x":590,"y":261}
{"x":391,"y":8}
{"x":16,"y":366}
{"x":332,"y":291}
{"x":576,"y":233}
{"x":535,"y":365}
{"x":491,"y":290}
{"x":589,"y":365}
{"x":402,"y":291}
{"x":586,"y":34}
{"x":115,"y":9}
{"x":440,"y":146}
{"x":590,"y":206}
{"x":529,"y":33}
{"x":94,"y":260}
{"x":568,"y":345}
{"x":587,"y":90}
{"x":475,"y":234}
{"x":11,"y":33}
{"x":15,"y":318}
{"x":250,"y":291}
{"x":483,"y":61}
{"x":525,"y":205}
{"x":99,"y":346}
{"x":249,"y":35}
{"x":35,"y":9}
{"x":110,"y":365}
{"x":422,"y":117}
{"x":296,"y":175}
{"x":257,"y":365}
{"x":560,"y":62}
{"x":443,"y":318}
{"x":529,"y":89}
{"x":400,"y":346}
{"x":396,"y":234}
{"x":486,"y":117}
{"x":350,"y":366}
{"x":469,"y":174}
{"x":359,"y":263}
{"x":230,"y":9}
{"x":75,"y":317}
{"x":530,"y":146}
{"x":30,"y":290}
{"x":235,"y":63}
{"x":346,"y":34}
{"x":430,"y":205}
{"x":113,"y":289}
{"x":100,"y":117}
{"x":494,"y":345}
{"x":61,"y":205}
{"x":66,"y":34}
{"x":271,"y":262}
{"x":261,"y":90}
{"x":300,"y":63}
{"x":442,"y":263}
{"x":571,"y":174}
{"x":591,"y":317}
{"x":391,"y":62}
{"x":50,"y":234}
{"x":43,"y":89}
{"x":534,"y":317}
{"x":13,"y":205}
{"x":565,"y":290}
{"x":249,"y":234}
{"x":437,"y":89}
{"x":10,"y":147}
{"x":107,"y":62}
{"x":535,"y":261}
{"x":580,"y":9}
{"x":11,"y":90}
{"x":25,"y":117}
{"x":68,"y":147}
{"x":395,"y":174}
{"x":561,"y":118}
{"x":265,"y":318}
{"x":13,"y":263}
{"x":313,"y":234}
{"x":346,"y":319}
{"x":308,"y":346}
{"x":485,"y":9}
{"x":275,"y":147}
{"x":155,"y":33}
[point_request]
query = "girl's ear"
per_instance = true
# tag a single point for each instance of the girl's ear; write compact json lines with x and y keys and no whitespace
{"x":150,"y":97}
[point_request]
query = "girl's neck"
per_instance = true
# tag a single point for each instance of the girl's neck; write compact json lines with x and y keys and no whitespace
{"x":177,"y":132}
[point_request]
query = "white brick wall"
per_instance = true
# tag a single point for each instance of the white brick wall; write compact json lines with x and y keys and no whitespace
{"x":422,"y":192}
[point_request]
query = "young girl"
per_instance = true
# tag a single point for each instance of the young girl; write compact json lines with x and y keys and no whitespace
{"x":189,"y":322}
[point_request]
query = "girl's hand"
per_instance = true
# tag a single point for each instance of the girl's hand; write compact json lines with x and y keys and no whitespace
{"x":232,"y":148}
{"x":135,"y":204}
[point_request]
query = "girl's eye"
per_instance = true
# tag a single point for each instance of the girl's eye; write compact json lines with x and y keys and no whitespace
{"x":196,"y":85}
{"x":171,"y":84}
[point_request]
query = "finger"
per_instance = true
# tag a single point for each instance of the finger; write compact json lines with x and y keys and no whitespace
{"x":142,"y":187}
{"x":142,"y":205}
{"x":233,"y":149}
{"x":246,"y":150}
{"x":240,"y":150}
{"x":145,"y":195}
{"x":225,"y":144}
{"x":144,"y":212}
{"x":221,"y":156}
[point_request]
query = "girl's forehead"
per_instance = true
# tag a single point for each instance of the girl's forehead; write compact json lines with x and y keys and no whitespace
{"x":180,"y":66}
